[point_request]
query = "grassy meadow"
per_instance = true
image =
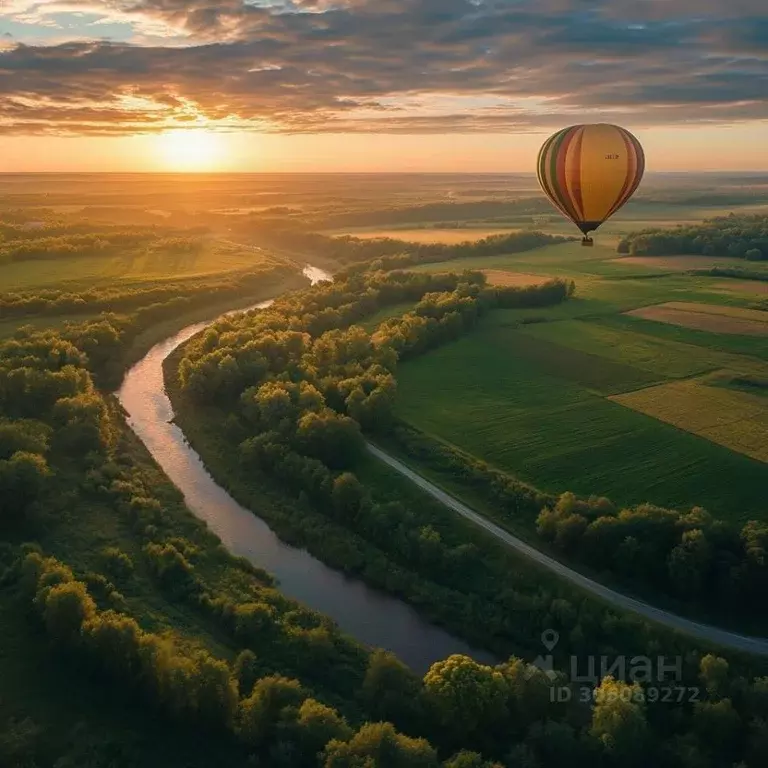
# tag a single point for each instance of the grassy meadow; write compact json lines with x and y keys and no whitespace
{"x":588,"y":398}
{"x":131,"y":266}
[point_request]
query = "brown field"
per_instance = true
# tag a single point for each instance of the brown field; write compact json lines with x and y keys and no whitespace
{"x":707,"y":317}
{"x":448,"y":236}
{"x":516,"y":279}
{"x":735,"y":420}
{"x":679,"y":263}
{"x":758,"y":315}
{"x":750,"y":287}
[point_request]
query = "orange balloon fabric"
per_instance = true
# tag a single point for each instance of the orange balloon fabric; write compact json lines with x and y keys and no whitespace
{"x":590,"y":171}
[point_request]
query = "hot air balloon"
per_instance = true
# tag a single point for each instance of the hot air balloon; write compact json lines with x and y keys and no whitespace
{"x":589,"y":172}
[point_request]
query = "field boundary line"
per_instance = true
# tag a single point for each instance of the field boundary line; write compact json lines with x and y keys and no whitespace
{"x":665,"y":382}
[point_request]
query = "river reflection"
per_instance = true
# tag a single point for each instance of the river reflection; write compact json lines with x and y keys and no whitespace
{"x":367,"y":614}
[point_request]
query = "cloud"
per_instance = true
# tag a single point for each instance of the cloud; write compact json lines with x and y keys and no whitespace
{"x":366,"y":65}
{"x":748,"y":37}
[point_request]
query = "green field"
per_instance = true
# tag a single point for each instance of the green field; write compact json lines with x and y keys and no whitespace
{"x":663,"y":358}
{"x":485,"y":396}
{"x":131,"y":266}
{"x":745,"y":347}
{"x":536,"y":399}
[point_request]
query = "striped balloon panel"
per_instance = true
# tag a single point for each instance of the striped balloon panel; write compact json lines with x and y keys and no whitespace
{"x":590,"y":171}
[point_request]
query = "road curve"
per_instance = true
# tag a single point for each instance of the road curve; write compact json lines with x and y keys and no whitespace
{"x":705,"y":632}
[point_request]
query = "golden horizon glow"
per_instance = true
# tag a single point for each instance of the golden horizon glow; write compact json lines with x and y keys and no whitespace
{"x":190,"y":150}
{"x":710,"y":148}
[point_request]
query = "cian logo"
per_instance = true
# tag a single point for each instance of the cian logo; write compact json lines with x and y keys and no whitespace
{"x":549,"y":639}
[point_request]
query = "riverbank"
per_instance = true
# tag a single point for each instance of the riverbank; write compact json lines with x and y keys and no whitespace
{"x":146,"y":338}
{"x":367,"y":614}
{"x":109,"y":517}
{"x":339,"y":548}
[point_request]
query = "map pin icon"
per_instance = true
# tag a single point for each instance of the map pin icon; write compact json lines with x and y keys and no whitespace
{"x":549,"y":637}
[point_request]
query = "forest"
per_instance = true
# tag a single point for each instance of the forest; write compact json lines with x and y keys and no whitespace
{"x":741,"y":236}
{"x":168,"y":293}
{"x":705,"y":561}
{"x":131,"y":636}
{"x":297,"y":388}
{"x":296,"y":692}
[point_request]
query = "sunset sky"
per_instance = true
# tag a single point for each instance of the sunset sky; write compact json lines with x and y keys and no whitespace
{"x":375,"y":85}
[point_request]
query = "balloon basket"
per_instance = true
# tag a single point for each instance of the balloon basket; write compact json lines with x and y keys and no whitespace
{"x":587,"y":242}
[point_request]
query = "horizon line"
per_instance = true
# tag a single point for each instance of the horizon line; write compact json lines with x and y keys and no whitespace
{"x":349,"y":173}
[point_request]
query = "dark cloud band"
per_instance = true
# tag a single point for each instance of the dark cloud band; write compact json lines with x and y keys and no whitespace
{"x":325,"y":65}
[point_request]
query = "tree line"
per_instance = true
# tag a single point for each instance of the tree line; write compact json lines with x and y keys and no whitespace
{"x":689,"y":555}
{"x":56,"y":240}
{"x":742,"y":236}
{"x":175,"y":293}
{"x":72,"y":246}
{"x":394,"y":254}
{"x":737,"y":273}
{"x":17,"y":229}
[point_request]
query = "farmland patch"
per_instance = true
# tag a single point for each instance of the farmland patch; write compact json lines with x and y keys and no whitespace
{"x":516,"y":279}
{"x":707,"y":317}
{"x":531,"y":414}
{"x":736,"y":420}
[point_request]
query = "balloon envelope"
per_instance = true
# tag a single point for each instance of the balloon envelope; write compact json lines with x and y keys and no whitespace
{"x":590,"y":171}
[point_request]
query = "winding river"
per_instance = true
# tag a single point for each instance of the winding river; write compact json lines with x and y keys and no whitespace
{"x":371,"y":616}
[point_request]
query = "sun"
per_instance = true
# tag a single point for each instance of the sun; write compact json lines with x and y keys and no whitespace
{"x":190,"y":150}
